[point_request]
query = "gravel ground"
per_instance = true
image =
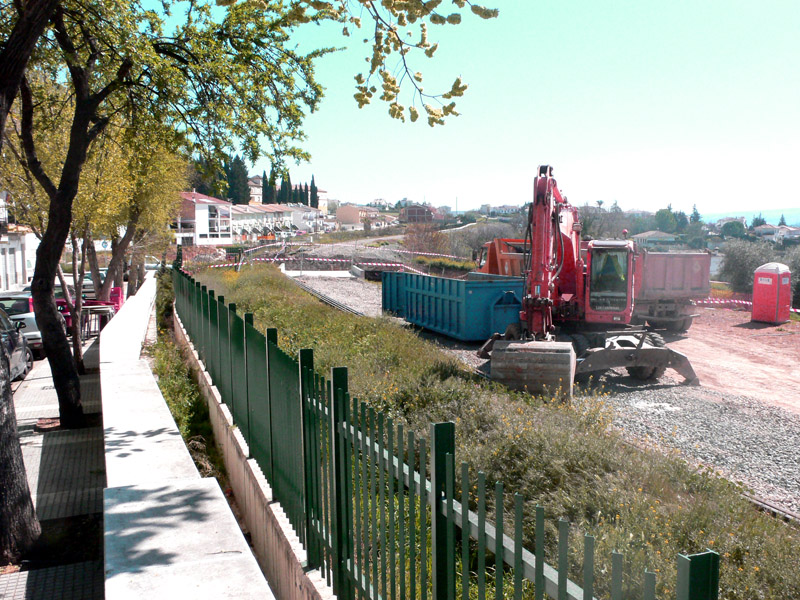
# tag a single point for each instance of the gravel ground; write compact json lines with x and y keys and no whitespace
{"x":746,"y":440}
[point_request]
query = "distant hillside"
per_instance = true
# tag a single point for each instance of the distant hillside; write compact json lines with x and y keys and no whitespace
{"x":772,"y":216}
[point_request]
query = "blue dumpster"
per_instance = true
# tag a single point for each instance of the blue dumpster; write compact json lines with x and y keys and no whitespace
{"x":465,"y":310}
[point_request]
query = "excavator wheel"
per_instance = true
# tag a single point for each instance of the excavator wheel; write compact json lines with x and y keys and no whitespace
{"x":644,"y":373}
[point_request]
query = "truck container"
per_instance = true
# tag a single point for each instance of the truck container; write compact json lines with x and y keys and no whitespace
{"x":666,"y":286}
{"x":470,"y":311}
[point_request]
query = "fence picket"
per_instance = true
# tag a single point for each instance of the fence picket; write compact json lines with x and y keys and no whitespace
{"x":588,"y":567}
{"x":498,"y":546}
{"x":616,"y":576}
{"x":563,"y":557}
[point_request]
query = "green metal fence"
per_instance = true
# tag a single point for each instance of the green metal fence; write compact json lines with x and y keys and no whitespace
{"x":378,"y":511}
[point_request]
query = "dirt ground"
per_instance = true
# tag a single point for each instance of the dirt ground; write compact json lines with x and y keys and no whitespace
{"x":730,"y":353}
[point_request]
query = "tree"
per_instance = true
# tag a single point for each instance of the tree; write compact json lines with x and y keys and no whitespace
{"x":238,"y":189}
{"x":741,"y":260}
{"x":734,"y":229}
{"x":306,"y":196}
{"x":758,"y":221}
{"x":666,"y":221}
{"x":264,"y":187}
{"x":681,"y":221}
{"x":782,"y":222}
{"x":314,"y":194}
{"x":19,"y":527}
{"x":32,"y":20}
{"x":270,"y":196}
{"x":424,"y":237}
{"x":695,"y":217}
{"x":219,"y":75}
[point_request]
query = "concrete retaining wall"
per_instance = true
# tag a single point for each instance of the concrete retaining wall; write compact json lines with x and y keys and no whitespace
{"x":276,"y":545}
{"x":168,"y":533}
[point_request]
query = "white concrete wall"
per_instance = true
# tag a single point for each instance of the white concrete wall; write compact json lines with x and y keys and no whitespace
{"x":276,"y":546}
{"x":168,"y":533}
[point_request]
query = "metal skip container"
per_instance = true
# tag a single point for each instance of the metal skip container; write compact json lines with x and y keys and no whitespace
{"x":470,"y":311}
{"x":772,"y":293}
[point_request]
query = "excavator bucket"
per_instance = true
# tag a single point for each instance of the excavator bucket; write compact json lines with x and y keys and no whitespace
{"x":535,"y":367}
{"x":602,"y":359}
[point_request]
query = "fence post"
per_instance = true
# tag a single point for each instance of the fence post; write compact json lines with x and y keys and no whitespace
{"x":229,"y":375}
{"x":218,"y":347}
{"x":272,"y":338}
{"x":248,"y":320}
{"x":443,"y":442}
{"x":342,"y":485}
{"x":306,"y":365}
{"x":698,"y":576}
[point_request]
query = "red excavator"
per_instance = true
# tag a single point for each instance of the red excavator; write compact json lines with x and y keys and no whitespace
{"x":575,"y":307}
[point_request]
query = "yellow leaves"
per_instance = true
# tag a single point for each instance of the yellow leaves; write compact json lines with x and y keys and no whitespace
{"x":413,"y":114}
{"x":454,"y":19}
{"x":431,"y":50}
{"x":458,"y":88}
{"x":483,"y":12}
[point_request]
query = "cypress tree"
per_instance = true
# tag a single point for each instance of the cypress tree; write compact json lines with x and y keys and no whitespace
{"x":238,"y":189}
{"x":314,"y":197}
{"x":306,"y":197}
{"x":264,"y":186}
{"x":270,"y":196}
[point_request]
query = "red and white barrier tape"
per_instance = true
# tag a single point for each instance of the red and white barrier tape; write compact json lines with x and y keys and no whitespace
{"x":413,"y":270}
{"x":429,"y":254}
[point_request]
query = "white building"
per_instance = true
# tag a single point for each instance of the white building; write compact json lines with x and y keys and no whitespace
{"x":256,"y":189}
{"x":203,"y":221}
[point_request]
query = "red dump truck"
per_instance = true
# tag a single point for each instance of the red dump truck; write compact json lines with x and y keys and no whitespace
{"x":666,"y":284}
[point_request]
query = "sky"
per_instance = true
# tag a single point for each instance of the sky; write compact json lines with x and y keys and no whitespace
{"x":643,"y":103}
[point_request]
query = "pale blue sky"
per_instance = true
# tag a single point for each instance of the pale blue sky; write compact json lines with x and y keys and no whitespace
{"x":641,"y":102}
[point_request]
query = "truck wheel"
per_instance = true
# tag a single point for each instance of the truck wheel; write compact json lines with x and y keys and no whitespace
{"x":676,"y":326}
{"x":687,"y":323}
{"x":643,"y":373}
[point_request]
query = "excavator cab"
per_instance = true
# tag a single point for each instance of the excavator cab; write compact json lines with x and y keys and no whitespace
{"x":609,"y":289}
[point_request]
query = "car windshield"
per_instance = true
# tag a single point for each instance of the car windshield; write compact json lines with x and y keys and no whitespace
{"x":15,"y":306}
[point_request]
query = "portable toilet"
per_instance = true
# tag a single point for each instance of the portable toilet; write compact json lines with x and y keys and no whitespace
{"x":772,"y":293}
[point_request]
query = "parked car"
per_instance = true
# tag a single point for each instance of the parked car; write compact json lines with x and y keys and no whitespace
{"x":18,"y":307}
{"x":20,"y":357}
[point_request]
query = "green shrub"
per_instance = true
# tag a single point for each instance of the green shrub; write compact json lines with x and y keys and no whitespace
{"x":165,"y":296}
{"x":449,"y":264}
{"x":741,"y":260}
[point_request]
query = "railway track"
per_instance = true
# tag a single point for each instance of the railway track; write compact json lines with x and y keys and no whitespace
{"x":757,"y":502}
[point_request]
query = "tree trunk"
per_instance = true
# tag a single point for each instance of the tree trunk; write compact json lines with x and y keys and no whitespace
{"x":19,"y":527}
{"x":116,"y":266}
{"x":17,"y":49}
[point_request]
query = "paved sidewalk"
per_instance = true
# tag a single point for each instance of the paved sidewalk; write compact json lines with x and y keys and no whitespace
{"x":66,"y":475}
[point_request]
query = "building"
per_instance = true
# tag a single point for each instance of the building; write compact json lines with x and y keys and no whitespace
{"x":650,"y":239}
{"x":305,"y":218}
{"x":765,"y":231}
{"x":203,"y":221}
{"x":352,"y":214}
{"x":255,"y":184}
{"x":18,"y":247}
{"x":417,"y":213}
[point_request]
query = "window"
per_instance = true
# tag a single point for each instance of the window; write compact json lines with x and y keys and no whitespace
{"x":609,"y":280}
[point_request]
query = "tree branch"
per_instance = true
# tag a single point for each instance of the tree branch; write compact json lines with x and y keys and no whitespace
{"x":26,"y":134}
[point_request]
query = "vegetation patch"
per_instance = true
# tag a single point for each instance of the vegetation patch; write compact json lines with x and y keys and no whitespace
{"x":565,"y":457}
{"x":445,"y":264}
{"x":180,"y":391}
{"x":361,"y":234}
